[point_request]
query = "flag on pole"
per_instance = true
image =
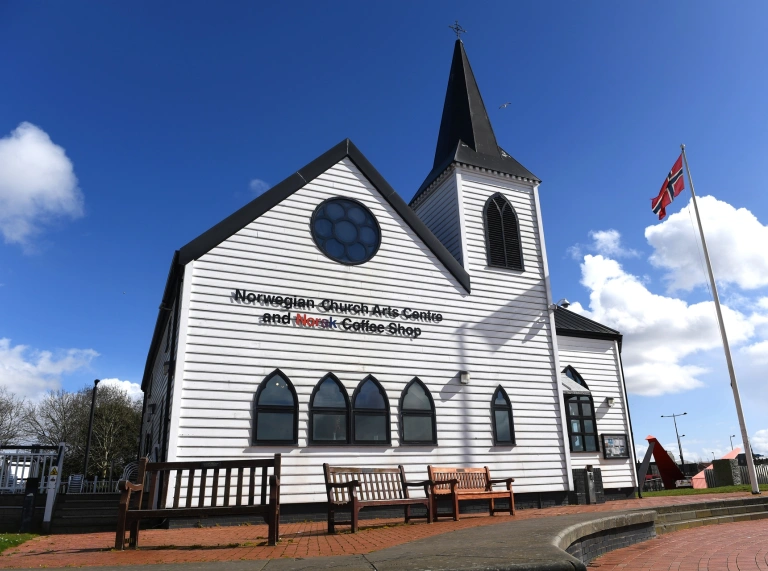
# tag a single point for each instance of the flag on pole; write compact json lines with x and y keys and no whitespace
{"x":673,"y":185}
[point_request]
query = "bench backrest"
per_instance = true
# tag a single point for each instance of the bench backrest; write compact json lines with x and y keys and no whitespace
{"x":219,"y":483}
{"x":469,"y":478}
{"x":375,"y":483}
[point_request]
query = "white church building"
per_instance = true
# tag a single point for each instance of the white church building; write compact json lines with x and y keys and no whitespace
{"x":331,"y":321}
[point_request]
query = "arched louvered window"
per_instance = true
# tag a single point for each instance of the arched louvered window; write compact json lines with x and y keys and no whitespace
{"x":501,"y":414}
{"x":275,"y":411}
{"x":329,"y":412}
{"x":370,"y":413}
{"x":417,"y":415}
{"x":502,"y":234}
{"x":580,"y":414}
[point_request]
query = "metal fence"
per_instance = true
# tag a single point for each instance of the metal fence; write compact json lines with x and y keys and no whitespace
{"x":762,"y":474}
{"x":17,"y":465}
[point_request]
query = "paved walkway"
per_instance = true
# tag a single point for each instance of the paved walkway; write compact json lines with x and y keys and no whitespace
{"x":739,"y":546}
{"x":298,"y":540}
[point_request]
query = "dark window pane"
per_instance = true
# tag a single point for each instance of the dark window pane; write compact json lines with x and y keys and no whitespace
{"x":590,"y":443}
{"x":416,"y":398}
{"x":274,"y":426}
{"x":276,"y":392}
{"x":589,"y":427}
{"x":369,"y":396}
{"x":586,"y":409}
{"x":417,"y":429}
{"x":503,"y":432}
{"x":328,"y":427}
{"x":371,"y":428}
{"x":578,"y":445}
{"x":329,"y":395}
{"x":573,"y":408}
{"x":500,"y":399}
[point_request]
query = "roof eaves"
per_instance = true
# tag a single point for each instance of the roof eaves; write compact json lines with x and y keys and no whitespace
{"x":169,"y":295}
{"x":271,"y":198}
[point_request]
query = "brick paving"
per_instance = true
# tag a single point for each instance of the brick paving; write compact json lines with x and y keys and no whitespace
{"x":248,"y":542}
{"x":741,"y":546}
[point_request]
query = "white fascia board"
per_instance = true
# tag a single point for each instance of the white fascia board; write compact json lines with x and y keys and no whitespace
{"x":555,"y":348}
{"x":181,"y":357}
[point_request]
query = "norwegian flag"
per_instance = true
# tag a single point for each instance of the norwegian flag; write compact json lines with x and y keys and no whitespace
{"x":673,"y":185}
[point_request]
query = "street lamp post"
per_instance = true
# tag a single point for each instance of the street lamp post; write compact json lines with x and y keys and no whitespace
{"x":731,"y":437}
{"x":680,"y":446}
{"x":90,"y":429}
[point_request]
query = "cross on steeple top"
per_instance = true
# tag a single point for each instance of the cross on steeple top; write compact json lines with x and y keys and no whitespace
{"x":458,"y":30}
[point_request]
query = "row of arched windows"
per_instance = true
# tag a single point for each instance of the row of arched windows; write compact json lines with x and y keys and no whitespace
{"x":335,"y":419}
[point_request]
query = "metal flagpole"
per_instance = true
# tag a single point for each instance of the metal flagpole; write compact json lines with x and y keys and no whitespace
{"x":726,"y":348}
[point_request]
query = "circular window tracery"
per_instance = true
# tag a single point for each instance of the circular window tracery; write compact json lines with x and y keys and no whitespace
{"x":345,"y":231}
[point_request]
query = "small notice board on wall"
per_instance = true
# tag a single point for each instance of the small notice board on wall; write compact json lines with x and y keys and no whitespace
{"x":615,"y":446}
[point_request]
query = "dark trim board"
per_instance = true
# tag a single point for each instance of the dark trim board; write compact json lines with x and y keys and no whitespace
{"x":274,"y":196}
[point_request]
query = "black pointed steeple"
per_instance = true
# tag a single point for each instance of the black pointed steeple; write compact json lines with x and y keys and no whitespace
{"x":464,"y":115}
{"x":466,"y":135}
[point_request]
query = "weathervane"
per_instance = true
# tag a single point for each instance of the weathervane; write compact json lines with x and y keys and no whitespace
{"x":458,"y":30}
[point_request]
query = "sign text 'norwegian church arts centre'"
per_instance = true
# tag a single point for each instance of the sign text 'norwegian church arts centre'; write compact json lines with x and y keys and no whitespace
{"x":348,"y":316}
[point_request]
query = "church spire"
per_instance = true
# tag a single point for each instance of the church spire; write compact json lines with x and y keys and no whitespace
{"x":464,"y":115}
{"x":466,"y":135}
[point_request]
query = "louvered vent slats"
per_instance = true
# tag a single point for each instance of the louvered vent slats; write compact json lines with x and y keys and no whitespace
{"x":502,"y":234}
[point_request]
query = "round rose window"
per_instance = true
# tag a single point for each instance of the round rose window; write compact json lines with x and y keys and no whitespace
{"x":345,"y":231}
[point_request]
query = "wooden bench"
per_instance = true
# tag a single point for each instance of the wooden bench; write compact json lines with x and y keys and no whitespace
{"x":200,"y":489}
{"x":459,"y":484}
{"x":375,"y":487}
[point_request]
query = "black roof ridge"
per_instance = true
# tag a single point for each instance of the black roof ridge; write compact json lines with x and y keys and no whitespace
{"x":572,"y":324}
{"x":235,"y":222}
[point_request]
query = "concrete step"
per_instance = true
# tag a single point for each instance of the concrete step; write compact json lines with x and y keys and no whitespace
{"x":713,"y":512}
{"x":690,"y":523}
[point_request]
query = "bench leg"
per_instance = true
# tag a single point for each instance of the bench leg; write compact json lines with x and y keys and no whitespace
{"x":120,"y":535}
{"x":511,"y":502}
{"x":331,"y":519}
{"x":455,"y":507}
{"x":491,"y":507}
{"x":355,"y":511}
{"x":407,"y":514}
{"x":430,"y":517}
{"x":133,"y":542}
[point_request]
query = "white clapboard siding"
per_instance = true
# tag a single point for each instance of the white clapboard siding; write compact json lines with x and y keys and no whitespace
{"x":597,"y":362}
{"x":439,"y":210}
{"x":500,"y":333}
{"x":156,"y":395}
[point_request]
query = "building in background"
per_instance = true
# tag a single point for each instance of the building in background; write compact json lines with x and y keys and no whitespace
{"x":332,"y":322}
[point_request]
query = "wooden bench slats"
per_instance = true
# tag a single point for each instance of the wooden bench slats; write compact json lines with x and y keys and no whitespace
{"x":375,"y":487}
{"x":468,"y":484}
{"x":191,"y":489}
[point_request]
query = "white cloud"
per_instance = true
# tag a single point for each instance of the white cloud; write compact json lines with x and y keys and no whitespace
{"x":37,"y":184}
{"x":759,"y":441}
{"x":258,"y":186}
{"x":735,"y":237}
{"x":133,"y":389}
{"x":605,"y":243}
{"x":757,"y":352}
{"x":30,"y":372}
{"x":660,"y":331}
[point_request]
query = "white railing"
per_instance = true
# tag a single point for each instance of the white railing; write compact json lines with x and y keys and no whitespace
{"x":19,"y":464}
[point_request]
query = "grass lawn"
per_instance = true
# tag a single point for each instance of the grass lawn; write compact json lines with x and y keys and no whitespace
{"x":694,"y":492}
{"x":8,"y":540}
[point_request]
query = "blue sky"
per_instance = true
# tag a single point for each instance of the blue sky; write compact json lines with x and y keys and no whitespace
{"x":156,"y":120}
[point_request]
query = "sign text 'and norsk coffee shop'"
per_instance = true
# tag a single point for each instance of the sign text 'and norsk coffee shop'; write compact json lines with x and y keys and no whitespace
{"x":365,"y":313}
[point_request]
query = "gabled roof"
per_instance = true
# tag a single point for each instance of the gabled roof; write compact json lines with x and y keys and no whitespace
{"x":466,"y":135}
{"x":572,"y":324}
{"x":211,"y":238}
{"x":271,"y":198}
